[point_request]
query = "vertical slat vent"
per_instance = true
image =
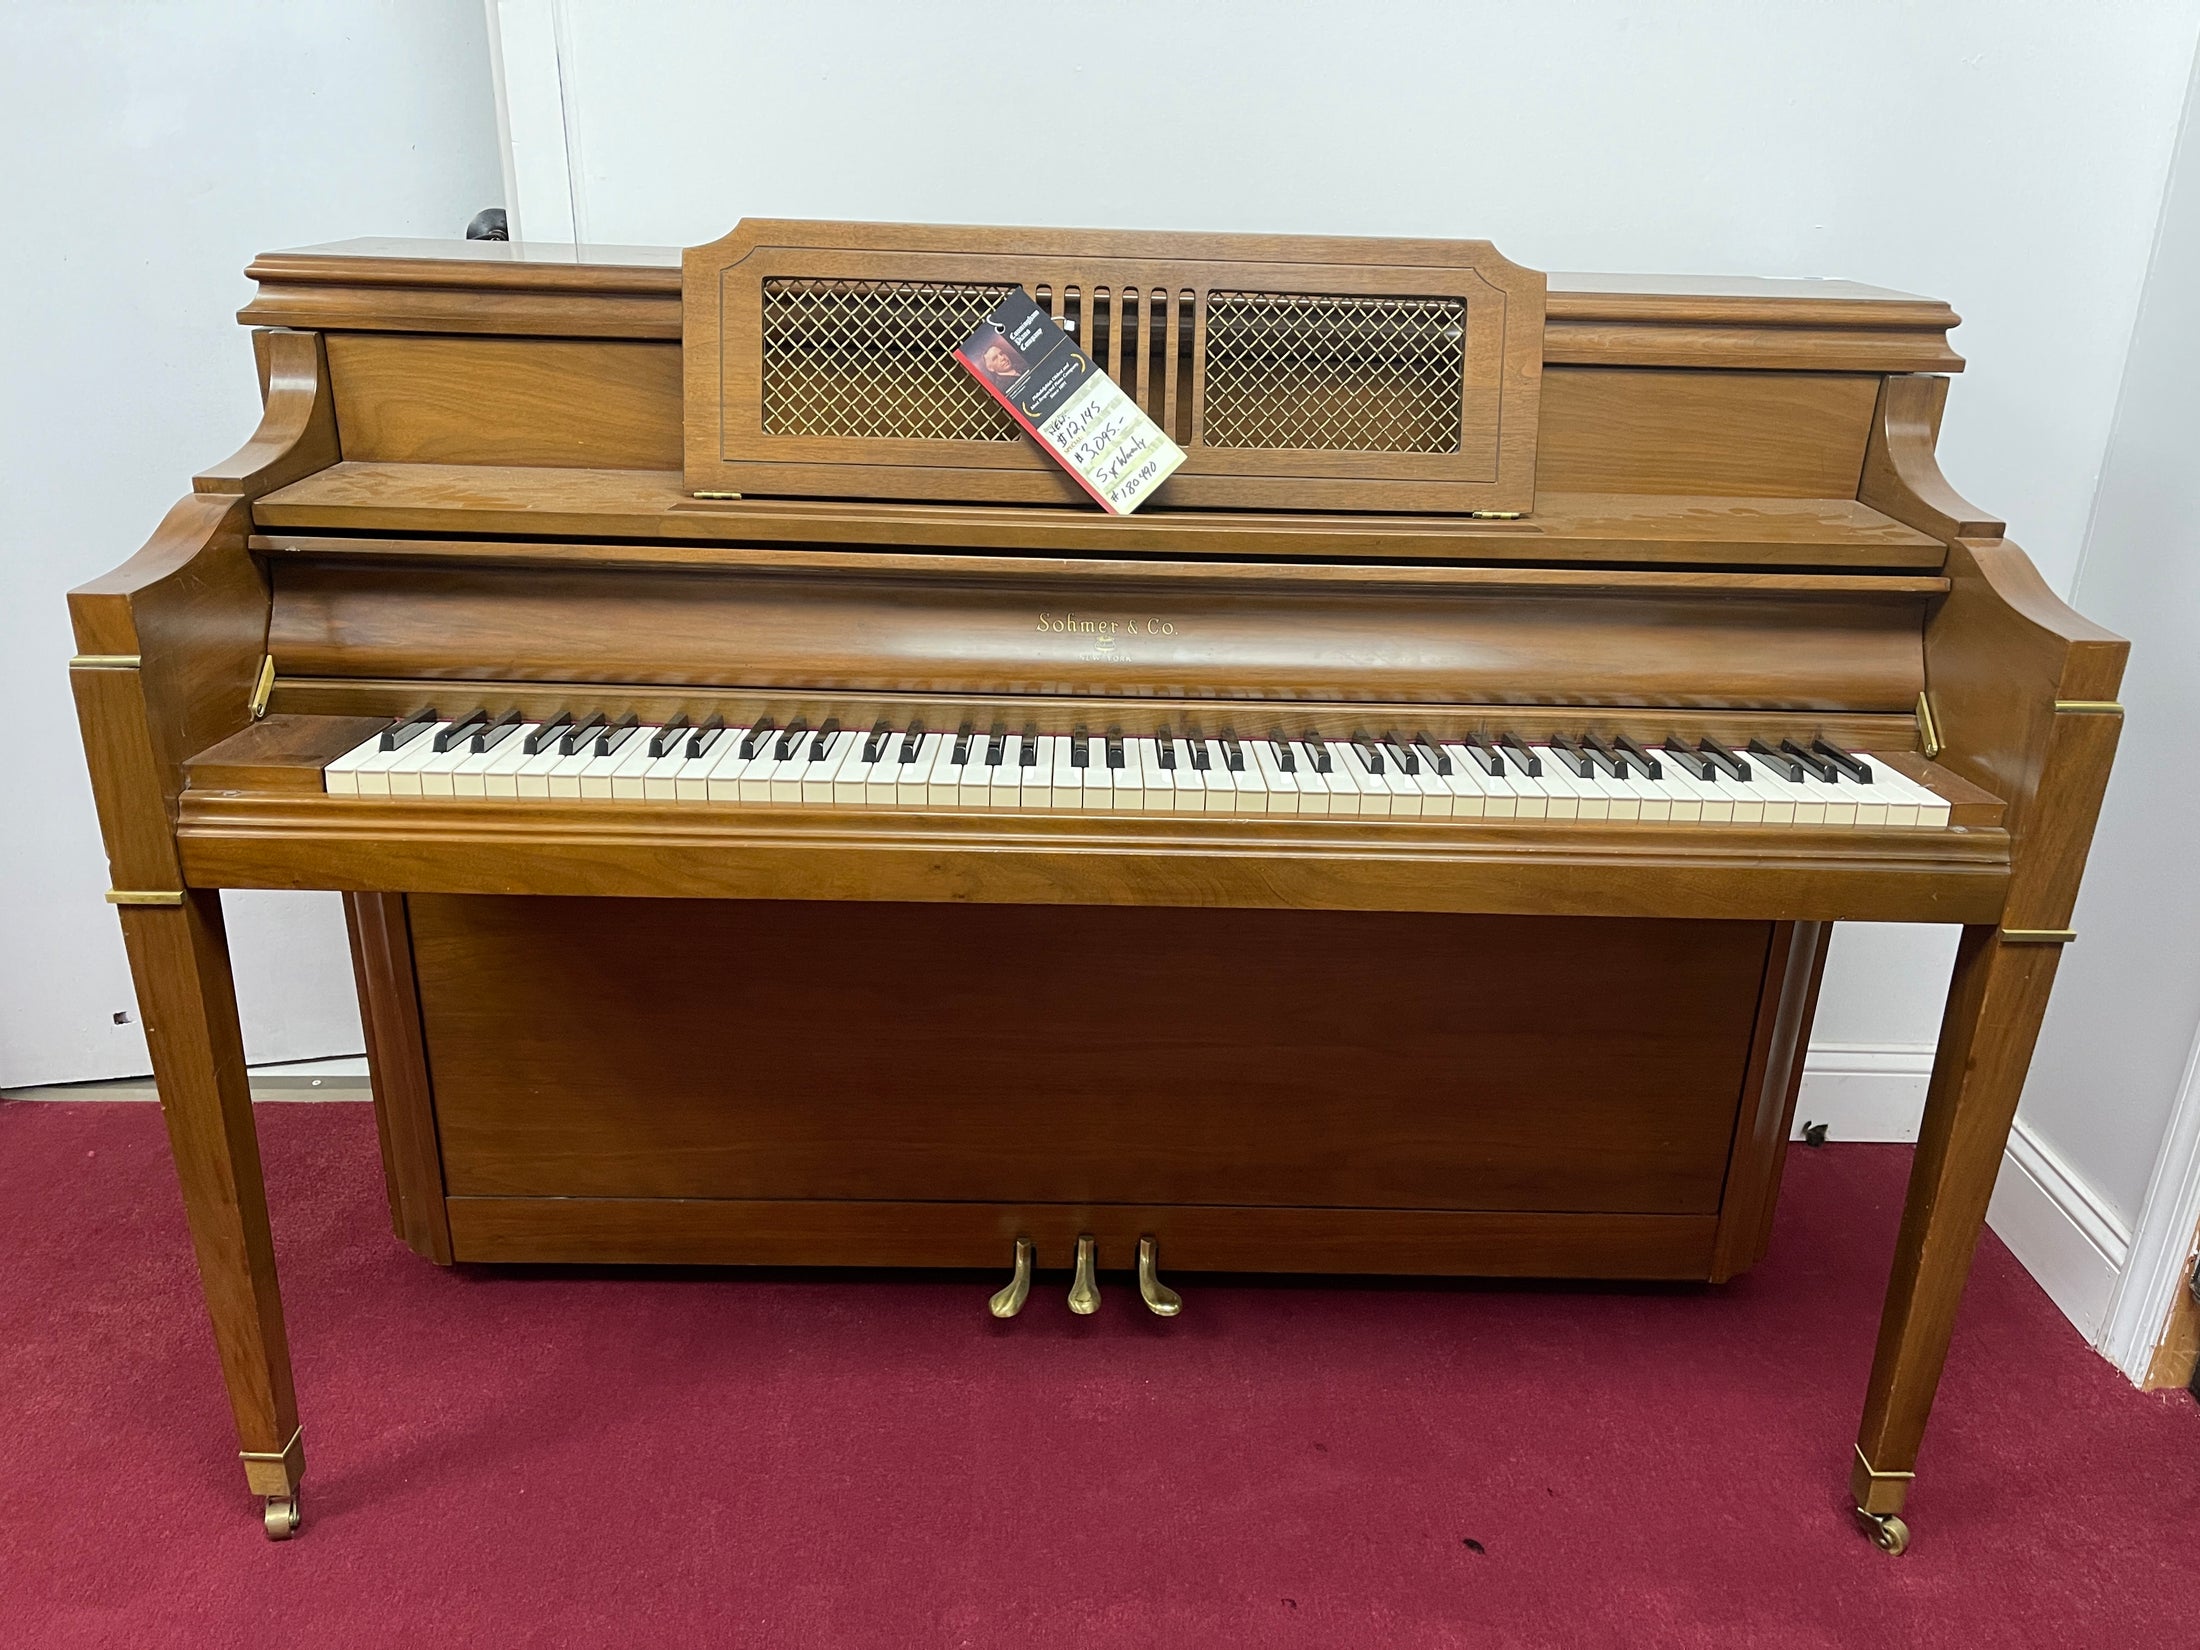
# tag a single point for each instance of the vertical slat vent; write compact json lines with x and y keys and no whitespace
{"x":876,"y":359}
{"x":1312,"y":372}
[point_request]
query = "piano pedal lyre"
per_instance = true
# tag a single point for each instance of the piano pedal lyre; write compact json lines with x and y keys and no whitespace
{"x":1008,"y":1300}
{"x":1160,"y":1299}
{"x":1084,"y":1283}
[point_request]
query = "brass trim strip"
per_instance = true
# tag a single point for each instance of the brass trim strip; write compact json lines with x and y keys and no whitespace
{"x":2088,"y":707}
{"x":297,"y":1435}
{"x":263,"y":687}
{"x":105,"y":661}
{"x":1928,"y":734}
{"x":141,"y":896}
{"x":2038,"y":936}
{"x":1871,"y":1471}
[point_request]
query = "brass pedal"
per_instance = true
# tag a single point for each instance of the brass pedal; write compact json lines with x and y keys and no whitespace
{"x":1160,"y":1299}
{"x":1084,"y":1287}
{"x":1009,"y":1299}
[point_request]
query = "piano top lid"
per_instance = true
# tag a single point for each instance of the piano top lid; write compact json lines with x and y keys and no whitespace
{"x":557,"y":289}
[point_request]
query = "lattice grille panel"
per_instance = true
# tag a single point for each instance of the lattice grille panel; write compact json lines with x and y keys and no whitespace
{"x":876,"y":359}
{"x":1328,"y":374}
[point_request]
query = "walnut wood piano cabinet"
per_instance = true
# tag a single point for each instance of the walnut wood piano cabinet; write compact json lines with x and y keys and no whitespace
{"x":1426,"y":495}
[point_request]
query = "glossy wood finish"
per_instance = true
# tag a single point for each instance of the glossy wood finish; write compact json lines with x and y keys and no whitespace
{"x":1314,"y":454}
{"x":1739,"y":527}
{"x":1795,"y":964}
{"x":1116,"y":634}
{"x":1109,"y":1055}
{"x":404,"y":1096}
{"x":532,"y":289}
{"x":1648,"y":529}
{"x":521,"y":401}
{"x":776,"y":1231}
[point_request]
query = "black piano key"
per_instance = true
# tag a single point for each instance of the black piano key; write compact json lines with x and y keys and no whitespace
{"x":1649,"y":766}
{"x":497,"y":732}
{"x":1572,"y":755}
{"x":1723,"y":757}
{"x":1317,"y":751}
{"x":544,"y":737}
{"x":576,"y":737}
{"x":996,"y":744}
{"x":460,"y":733}
{"x":911,"y":739}
{"x":400,"y":734}
{"x":1407,"y":758}
{"x":1202,"y":758}
{"x":1847,"y":761}
{"x":753,"y":740}
{"x":1486,"y":754}
{"x":1603,"y":756}
{"x":1433,"y":754}
{"x":1165,"y":743}
{"x":618,"y":734}
{"x":706,"y":736}
{"x":1693,"y":762}
{"x":875,"y":741}
{"x":1785,"y":766}
{"x":1233,"y":753}
{"x":1079,"y":755}
{"x":1522,"y":756}
{"x":828,"y":735}
{"x":960,"y":756}
{"x":1282,"y":747}
{"x":1371,"y":756}
{"x":1813,"y":764}
{"x":1115,"y":747}
{"x":1028,"y":756}
{"x":789,"y":738}
{"x":667,"y":736}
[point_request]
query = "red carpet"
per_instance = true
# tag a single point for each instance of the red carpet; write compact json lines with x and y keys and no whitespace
{"x":512,"y":1459}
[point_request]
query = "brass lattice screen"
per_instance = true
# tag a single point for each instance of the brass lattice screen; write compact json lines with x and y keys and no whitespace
{"x":1323,"y":373}
{"x":874,"y":359}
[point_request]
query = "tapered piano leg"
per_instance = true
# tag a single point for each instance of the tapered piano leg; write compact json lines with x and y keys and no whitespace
{"x":179,"y":955}
{"x":1995,"y":1003}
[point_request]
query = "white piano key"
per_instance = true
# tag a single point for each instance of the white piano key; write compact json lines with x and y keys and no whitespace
{"x":1248,"y":790}
{"x":913,"y":779}
{"x":827,"y":753}
{"x":1282,"y":787}
{"x":976,"y":787}
{"x":1004,"y":779}
{"x":728,"y":766}
{"x":416,"y":754}
{"x":854,"y":775}
{"x":340,"y":777}
{"x":943,"y":781}
{"x":437,"y":773}
{"x":1035,"y":784}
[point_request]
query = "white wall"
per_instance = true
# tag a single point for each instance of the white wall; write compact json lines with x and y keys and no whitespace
{"x":2009,"y":157}
{"x":149,"y":150}
{"x":2118,"y":1045}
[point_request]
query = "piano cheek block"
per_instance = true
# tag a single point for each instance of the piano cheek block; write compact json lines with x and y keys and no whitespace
{"x":1202,"y":883}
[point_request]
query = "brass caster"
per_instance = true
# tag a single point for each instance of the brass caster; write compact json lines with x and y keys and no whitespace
{"x":1160,"y":1299}
{"x":1889,"y":1534}
{"x":1009,"y":1299}
{"x":283,"y":1516}
{"x":1084,"y":1287}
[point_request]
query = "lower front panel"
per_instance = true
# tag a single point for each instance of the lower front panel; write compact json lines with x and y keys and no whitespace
{"x":861,"y":1083}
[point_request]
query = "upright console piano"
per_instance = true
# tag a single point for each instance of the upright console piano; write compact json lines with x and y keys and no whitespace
{"x":780,"y":822}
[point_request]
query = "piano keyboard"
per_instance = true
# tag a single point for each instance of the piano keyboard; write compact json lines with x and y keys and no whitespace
{"x":1500,"y":776}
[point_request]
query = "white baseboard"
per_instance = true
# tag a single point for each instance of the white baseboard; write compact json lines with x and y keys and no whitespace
{"x":1864,"y":1091}
{"x":2057,"y":1226}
